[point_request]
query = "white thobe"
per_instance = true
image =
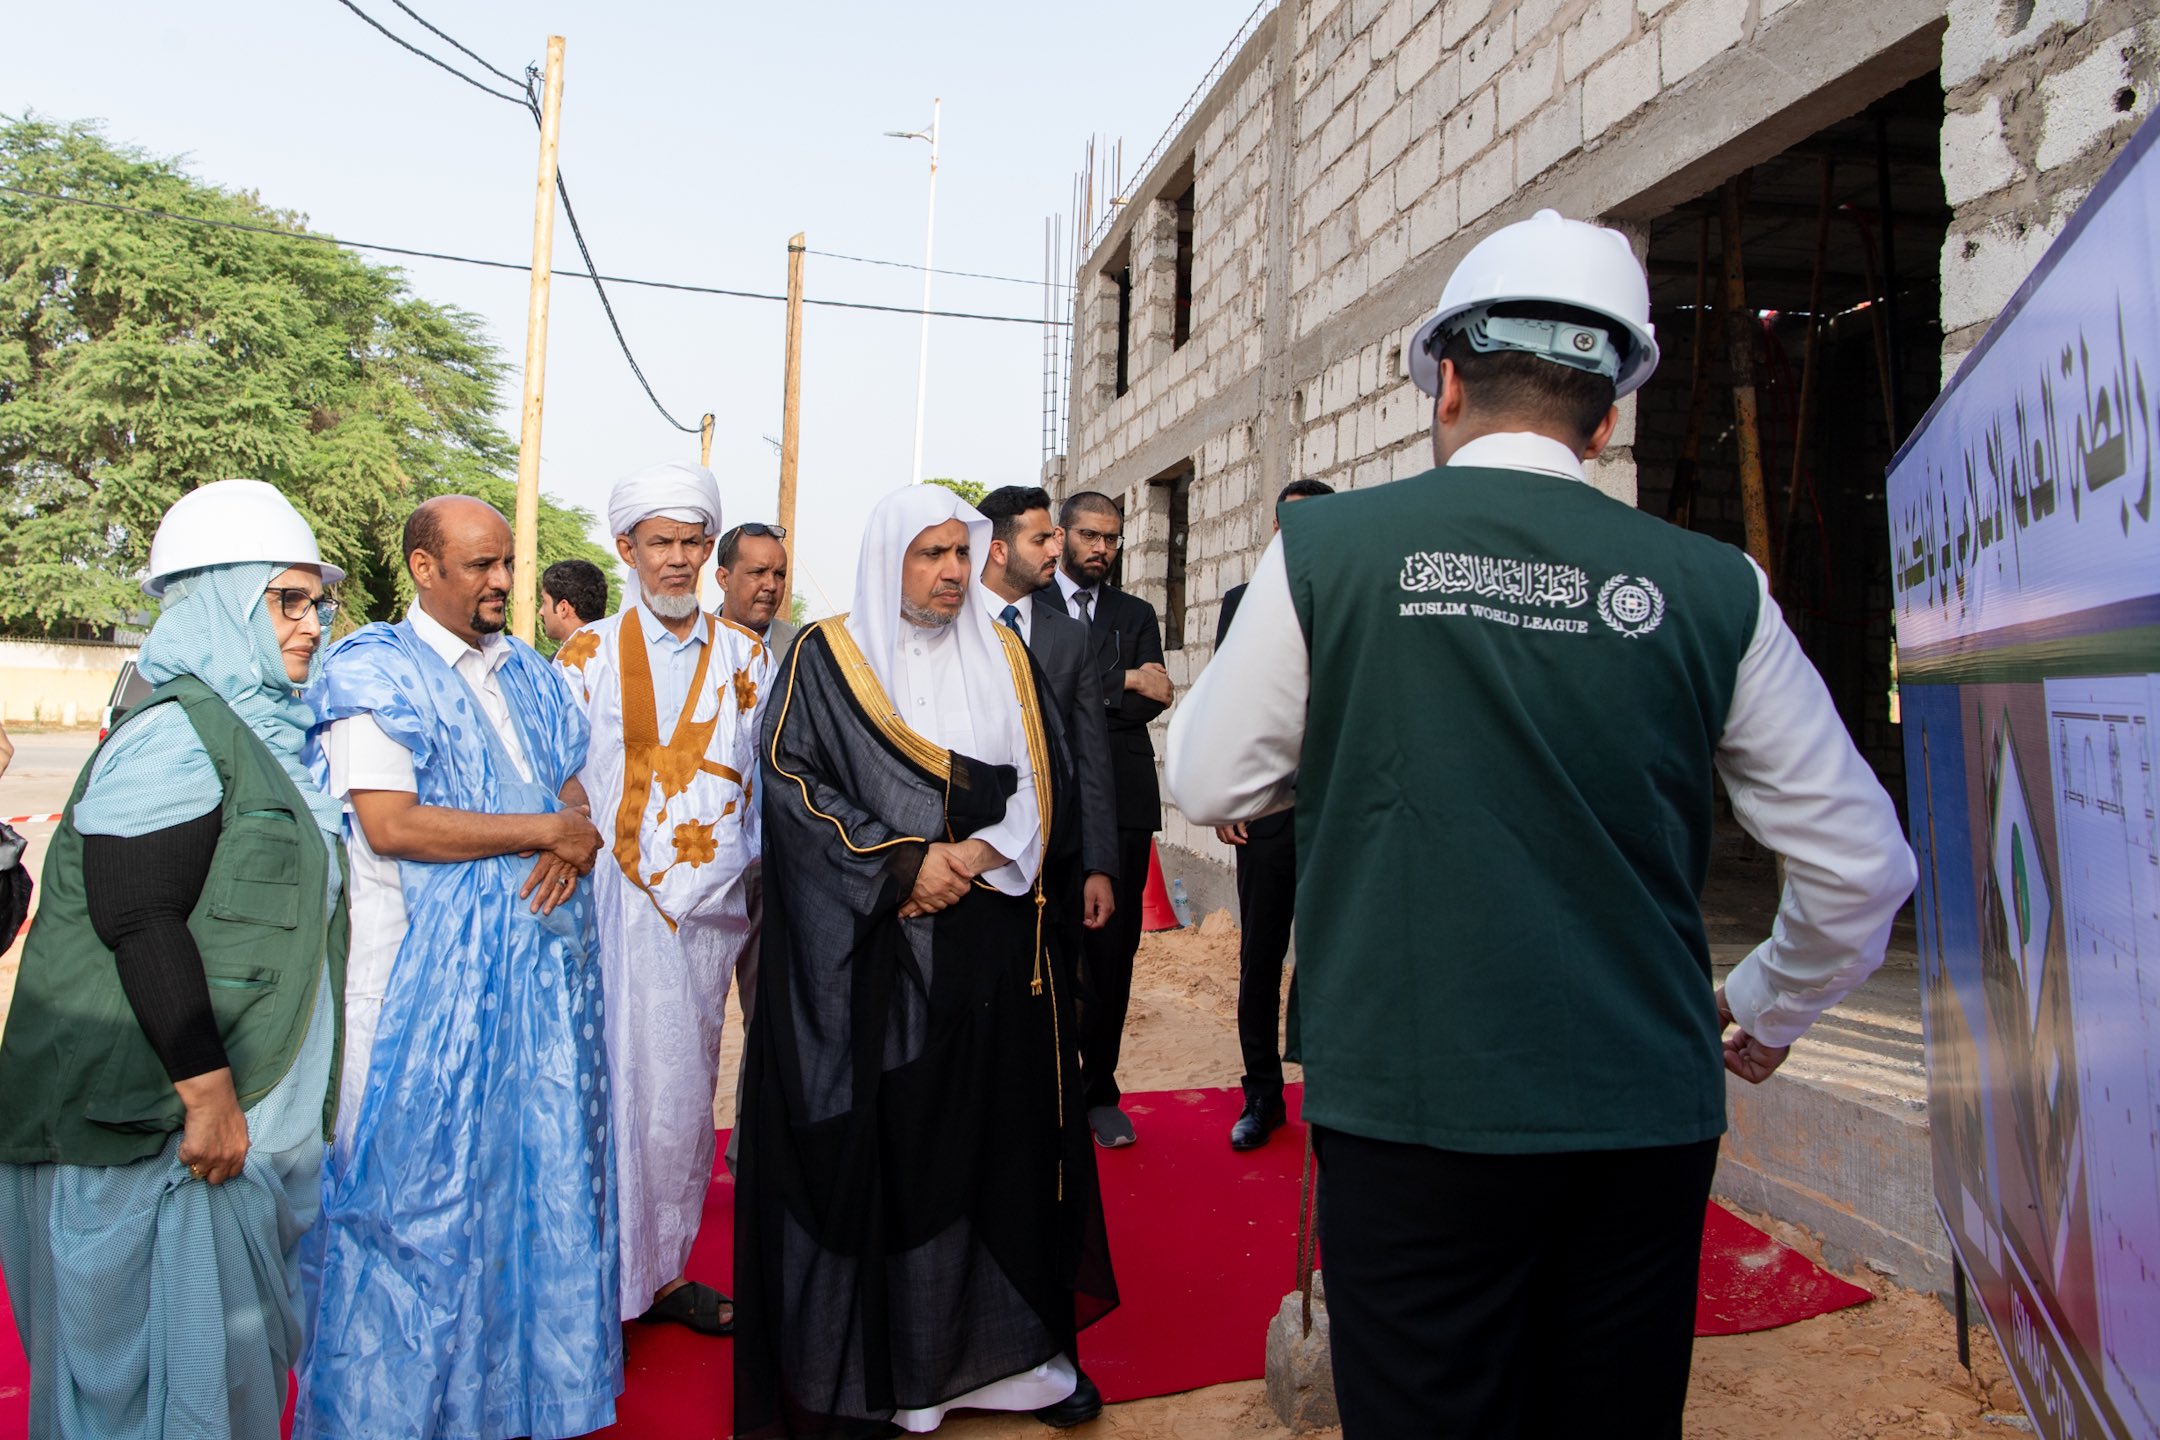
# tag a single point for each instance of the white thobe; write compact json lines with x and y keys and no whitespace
{"x":932,"y":700}
{"x":1796,"y":782}
{"x":362,"y":757}
{"x":671,"y":898}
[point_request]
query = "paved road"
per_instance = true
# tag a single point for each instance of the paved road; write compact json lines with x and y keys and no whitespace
{"x":44,"y":769}
{"x":37,"y":783}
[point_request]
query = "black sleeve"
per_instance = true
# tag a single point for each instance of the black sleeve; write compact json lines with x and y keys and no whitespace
{"x":1231,"y":599}
{"x":1132,"y":706}
{"x":140,"y":892}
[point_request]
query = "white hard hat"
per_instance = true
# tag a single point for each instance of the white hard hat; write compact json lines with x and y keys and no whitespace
{"x":1551,"y":259}
{"x":227,"y":522}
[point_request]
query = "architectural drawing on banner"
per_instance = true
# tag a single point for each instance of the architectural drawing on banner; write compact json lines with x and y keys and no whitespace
{"x":2107,"y":818}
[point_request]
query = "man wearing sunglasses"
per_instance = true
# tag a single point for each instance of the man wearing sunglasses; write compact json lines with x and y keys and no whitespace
{"x":753,"y":574}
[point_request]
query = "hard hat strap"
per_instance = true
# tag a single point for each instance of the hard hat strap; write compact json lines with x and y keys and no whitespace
{"x":1579,"y":347}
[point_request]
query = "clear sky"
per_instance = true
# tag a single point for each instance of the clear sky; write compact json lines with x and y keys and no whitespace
{"x":696,"y":139}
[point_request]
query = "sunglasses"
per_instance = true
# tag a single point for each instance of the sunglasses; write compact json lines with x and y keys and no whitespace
{"x":294,"y":604}
{"x":758,"y":528}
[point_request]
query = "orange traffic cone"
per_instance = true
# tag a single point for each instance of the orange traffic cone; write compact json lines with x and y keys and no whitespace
{"x":1156,"y":912}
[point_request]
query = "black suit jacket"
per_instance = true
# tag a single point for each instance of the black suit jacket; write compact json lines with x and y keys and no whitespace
{"x":1064,"y":652}
{"x":1125,"y":636}
{"x":1267,"y":827}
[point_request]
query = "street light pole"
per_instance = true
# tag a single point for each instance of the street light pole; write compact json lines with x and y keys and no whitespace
{"x":922,"y":362}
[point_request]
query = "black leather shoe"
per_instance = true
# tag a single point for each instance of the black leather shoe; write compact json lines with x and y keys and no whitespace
{"x":1262,"y":1117}
{"x":1083,"y":1405}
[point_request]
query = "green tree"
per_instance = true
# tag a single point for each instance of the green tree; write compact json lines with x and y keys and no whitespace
{"x":971,"y":491}
{"x":141,"y":357}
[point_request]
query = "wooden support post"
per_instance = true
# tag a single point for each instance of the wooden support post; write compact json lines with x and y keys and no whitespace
{"x":1741,"y":328}
{"x":525,"y":580}
{"x":704,"y":441}
{"x":1808,"y":354}
{"x":1886,"y":235}
{"x":1680,"y":500}
{"x":791,"y":394}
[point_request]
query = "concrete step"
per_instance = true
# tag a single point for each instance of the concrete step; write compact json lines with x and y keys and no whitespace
{"x":1838,"y":1140}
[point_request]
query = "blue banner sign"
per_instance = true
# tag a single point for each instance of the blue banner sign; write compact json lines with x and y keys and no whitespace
{"x":2026,"y":579}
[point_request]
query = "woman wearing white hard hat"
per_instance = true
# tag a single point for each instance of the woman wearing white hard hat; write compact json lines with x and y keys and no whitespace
{"x":169,"y":1055}
{"x":1498,"y":699}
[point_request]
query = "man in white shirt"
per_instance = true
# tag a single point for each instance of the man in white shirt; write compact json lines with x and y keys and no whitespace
{"x":1024,"y":547}
{"x":466,"y":1279}
{"x":1496,"y":698}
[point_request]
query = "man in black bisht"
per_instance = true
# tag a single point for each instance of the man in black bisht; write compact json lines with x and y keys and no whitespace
{"x":918,"y":1225}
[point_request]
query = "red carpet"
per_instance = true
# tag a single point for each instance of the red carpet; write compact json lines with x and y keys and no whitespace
{"x":1751,"y":1282}
{"x":1204,"y":1240}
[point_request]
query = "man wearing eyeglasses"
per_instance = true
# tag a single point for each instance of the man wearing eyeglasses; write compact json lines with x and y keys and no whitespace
{"x":1135,"y":688}
{"x":753,"y":566}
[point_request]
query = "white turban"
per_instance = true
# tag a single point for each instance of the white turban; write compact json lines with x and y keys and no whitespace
{"x":878,"y":627}
{"x":676,"y":490}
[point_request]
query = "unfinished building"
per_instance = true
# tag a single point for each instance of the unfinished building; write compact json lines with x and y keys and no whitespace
{"x":1833,"y":198}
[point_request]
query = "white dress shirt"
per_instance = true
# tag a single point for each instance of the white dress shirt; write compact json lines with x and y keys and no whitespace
{"x":362,"y":757}
{"x":933,"y":701}
{"x":1068,"y":587}
{"x":995,"y":604}
{"x":1796,"y":782}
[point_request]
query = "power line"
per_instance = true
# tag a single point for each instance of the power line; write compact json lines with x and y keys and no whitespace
{"x":577,"y":233}
{"x":396,"y":39}
{"x":445,"y":35}
{"x":934,"y":270}
{"x":310,"y":237}
{"x":530,"y":100}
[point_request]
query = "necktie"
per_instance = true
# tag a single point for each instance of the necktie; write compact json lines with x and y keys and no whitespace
{"x":1084,"y":604}
{"x":1010,"y":617}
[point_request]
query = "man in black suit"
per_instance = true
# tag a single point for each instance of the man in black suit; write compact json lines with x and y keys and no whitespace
{"x":1135,"y":689}
{"x":1023,"y":554}
{"x":1267,"y":898}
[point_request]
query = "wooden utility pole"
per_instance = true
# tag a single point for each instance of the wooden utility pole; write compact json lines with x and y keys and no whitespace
{"x":525,"y":582}
{"x":1741,"y":327}
{"x":704,"y":443}
{"x":791,"y":395}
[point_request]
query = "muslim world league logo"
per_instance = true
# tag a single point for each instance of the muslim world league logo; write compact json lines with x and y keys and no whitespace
{"x":1631,"y":605}
{"x":1517,"y":590}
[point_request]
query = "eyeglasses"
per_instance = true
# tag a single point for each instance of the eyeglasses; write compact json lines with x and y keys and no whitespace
{"x":759,"y":528}
{"x":294,"y":604}
{"x":1112,"y":540}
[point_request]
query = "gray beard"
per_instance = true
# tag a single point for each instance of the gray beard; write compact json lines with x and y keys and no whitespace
{"x":673,"y":607}
{"x":926,"y":617}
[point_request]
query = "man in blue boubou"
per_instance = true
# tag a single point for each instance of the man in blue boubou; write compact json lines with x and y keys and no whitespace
{"x":467,"y":1249}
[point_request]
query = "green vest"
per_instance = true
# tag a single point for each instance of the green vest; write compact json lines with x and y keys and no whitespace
{"x":1504,"y":810}
{"x":81,"y":1084}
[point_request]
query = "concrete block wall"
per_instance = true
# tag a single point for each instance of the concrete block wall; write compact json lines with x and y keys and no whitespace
{"x":1355,"y":149}
{"x":1350,"y":154}
{"x":2039,"y":97}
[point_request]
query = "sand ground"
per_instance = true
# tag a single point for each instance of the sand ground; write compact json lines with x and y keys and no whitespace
{"x":1886,"y":1370}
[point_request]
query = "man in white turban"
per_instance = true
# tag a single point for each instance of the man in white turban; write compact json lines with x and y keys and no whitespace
{"x":917,"y":1226}
{"x":674,"y":696}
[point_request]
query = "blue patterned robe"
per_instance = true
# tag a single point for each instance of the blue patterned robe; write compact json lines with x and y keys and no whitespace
{"x":467,"y":1242}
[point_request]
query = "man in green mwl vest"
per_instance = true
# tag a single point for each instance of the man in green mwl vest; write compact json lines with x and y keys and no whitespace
{"x":1497,"y":699}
